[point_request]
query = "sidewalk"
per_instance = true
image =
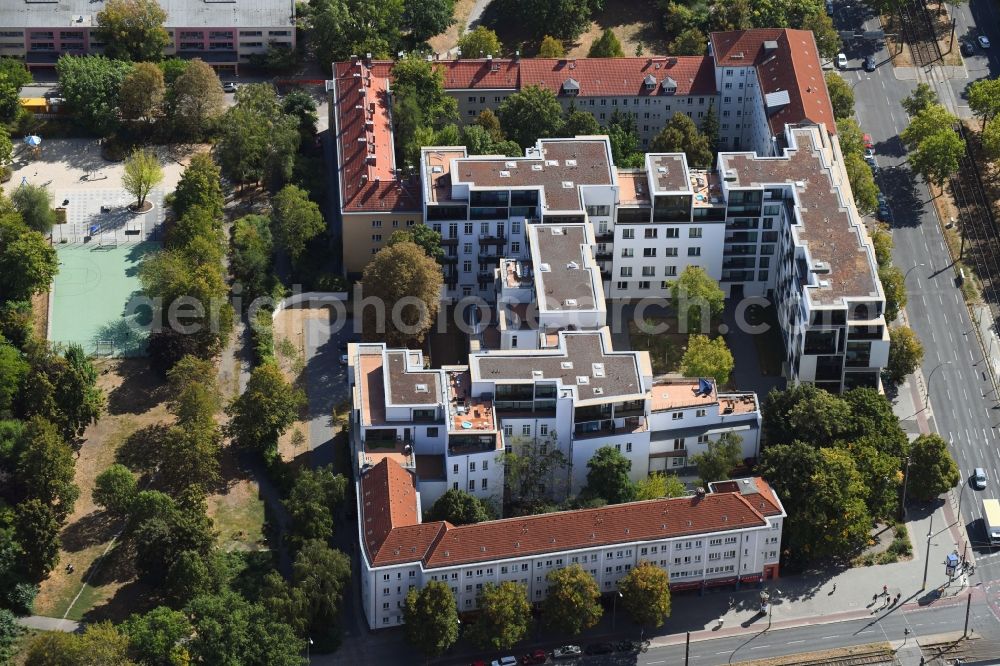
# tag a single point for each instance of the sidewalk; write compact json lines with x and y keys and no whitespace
{"x":48,"y":623}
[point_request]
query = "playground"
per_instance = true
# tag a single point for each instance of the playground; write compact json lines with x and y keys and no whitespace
{"x":90,"y":303}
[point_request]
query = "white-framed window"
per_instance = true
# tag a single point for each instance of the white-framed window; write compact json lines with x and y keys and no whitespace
{"x":526,"y":429}
{"x":700,"y":412}
{"x":543,"y":429}
{"x":676,"y":416}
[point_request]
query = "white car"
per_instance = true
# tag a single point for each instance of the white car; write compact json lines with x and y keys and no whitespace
{"x":505,"y":661}
{"x":229,"y":87}
{"x":841,"y":61}
{"x":984,"y":41}
{"x":566,"y":652}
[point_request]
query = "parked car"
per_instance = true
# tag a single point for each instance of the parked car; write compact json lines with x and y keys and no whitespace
{"x":841,"y":61}
{"x":229,"y":87}
{"x":869,"y":63}
{"x":884,"y":212}
{"x":968,"y":48}
{"x":566,"y":652}
{"x":869,"y":153}
{"x":829,"y":7}
{"x":867,"y":138}
{"x":984,"y":41}
{"x":979,"y":478}
{"x":599,"y":648}
{"x":628,"y":646}
{"x":536,"y":657}
{"x":505,"y":661}
{"x":881,"y":199}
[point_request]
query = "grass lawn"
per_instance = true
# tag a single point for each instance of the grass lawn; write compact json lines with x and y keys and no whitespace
{"x":239,"y":517}
{"x":665,"y":349}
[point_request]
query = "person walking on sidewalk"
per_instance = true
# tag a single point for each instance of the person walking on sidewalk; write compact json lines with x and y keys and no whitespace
{"x":885,"y":590}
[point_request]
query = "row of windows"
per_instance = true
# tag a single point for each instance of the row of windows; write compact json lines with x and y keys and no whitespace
{"x":377,"y":224}
{"x":628,"y":233}
{"x":543,"y":430}
{"x":484,"y":485}
{"x":472,"y":466}
{"x":650,"y":271}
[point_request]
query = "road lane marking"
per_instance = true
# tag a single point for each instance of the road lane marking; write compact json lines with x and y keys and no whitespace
{"x":662,"y":661}
{"x":834,"y":636}
{"x":794,"y":642}
{"x":759,"y":647}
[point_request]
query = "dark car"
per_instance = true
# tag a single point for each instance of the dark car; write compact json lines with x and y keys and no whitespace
{"x":628,"y":646}
{"x":869,"y":63}
{"x":535,"y":657}
{"x":884,"y":212}
{"x":968,"y":49}
{"x":599,"y":648}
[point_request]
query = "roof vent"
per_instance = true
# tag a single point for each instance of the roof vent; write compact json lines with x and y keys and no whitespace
{"x":447,"y":553}
{"x":570,"y":162}
{"x":537,"y":374}
{"x":536,"y":167}
{"x":598,"y":369}
{"x":557,"y":231}
{"x":421,"y":388}
{"x":567,"y":184}
{"x":437,"y":169}
{"x":821,"y":267}
{"x":582,"y":380}
{"x":824,"y":284}
{"x":566,"y":365}
{"x":517,"y":544}
{"x":572,"y":265}
{"x":570,"y":302}
{"x":510,"y":165}
{"x":551,"y":162}
{"x":661,"y":169}
{"x":544,"y":268}
{"x":505,"y":174}
{"x":598,"y":390}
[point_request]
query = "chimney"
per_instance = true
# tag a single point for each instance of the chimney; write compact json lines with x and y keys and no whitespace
{"x":699,"y":492}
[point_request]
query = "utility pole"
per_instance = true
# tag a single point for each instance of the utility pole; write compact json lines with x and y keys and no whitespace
{"x":968,"y":607}
{"x":687,"y":642}
{"x":906,"y":478}
{"x":927,"y":560}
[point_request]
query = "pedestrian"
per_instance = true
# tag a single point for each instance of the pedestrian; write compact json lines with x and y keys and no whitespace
{"x":874,"y":598}
{"x":885,"y":590}
{"x":834,"y":587}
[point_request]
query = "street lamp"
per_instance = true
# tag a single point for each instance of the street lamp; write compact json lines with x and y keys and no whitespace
{"x":906,"y":479}
{"x":614,"y":610}
{"x":927,"y":398}
{"x":907,"y":273}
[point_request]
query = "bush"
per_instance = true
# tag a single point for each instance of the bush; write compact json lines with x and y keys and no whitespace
{"x":888,"y":557}
{"x":5,"y":174}
{"x":262,"y":334}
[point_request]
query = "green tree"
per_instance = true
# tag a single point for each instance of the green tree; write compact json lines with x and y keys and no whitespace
{"x":188,"y":578}
{"x":681,"y":135}
{"x":100,"y":644}
{"x":624,"y":137}
{"x":862,"y":181}
{"x":142,"y":174}
{"x":34,"y":203}
{"x":882,"y":242}
{"x":10,"y":632}
{"x":133,"y":29}
{"x":658,"y":485}
{"x":880,"y":474}
{"x":36,"y":528}
{"x":932,"y":469}
{"x":142,"y":93}
{"x":905,"y":354}
{"x":322,"y":574}
{"x":423,"y":236}
{"x":311,"y":502}
{"x":531,"y":114}
{"x":984,"y":98}
{"x":550,"y":47}
{"x":566,"y":19}
{"x":722,"y":456}
{"x":91,"y":85}
{"x":160,"y":539}
{"x":921,"y":98}
{"x":579,"y":123}
{"x":398,"y":272}
{"x":257,"y":140}
{"x":895,"y":291}
{"x":573,"y":604}
{"x":196,"y":100}
{"x":45,"y":468}
{"x":264,"y":411}
{"x":13,"y":370}
{"x":688,"y":42}
{"x":158,"y":637}
{"x":426,"y":18}
{"x":431,"y":618}
{"x":697,"y":299}
{"x":606,"y":46}
{"x":301,"y":104}
{"x":990,"y":138}
{"x":821,"y":25}
{"x":459,"y":508}
{"x":531,"y":473}
{"x":841,"y":95}
{"x":6,"y":147}
{"x":341,"y":28}
{"x":479,"y":43}
{"x":850,"y":136}
{"x":504,"y":616}
{"x":937,"y":156}
{"x":710,"y":125}
{"x":608,"y":476}
{"x":230,"y":630}
{"x":13,"y":76}
{"x":926,"y":123}
{"x":645,"y":594}
{"x":707,"y":357}
{"x":115,"y":489}
{"x":806,"y":413}
{"x":296,"y":221}
{"x":250,"y":260}
{"x":199,"y":186}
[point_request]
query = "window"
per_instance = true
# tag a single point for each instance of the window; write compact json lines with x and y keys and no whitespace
{"x":623,"y":285}
{"x":628,"y":234}
{"x":472,"y":466}
{"x":472,"y":484}
{"x":486,"y":465}
{"x":700,"y":412}
{"x":466,"y":266}
{"x":676,"y":416}
{"x":628,"y":447}
{"x":515,"y":247}
{"x":515,"y":227}
{"x":694,"y":251}
{"x":729,"y":554}
{"x":715,"y":542}
{"x":376,"y":238}
{"x":628,"y":252}
{"x":644,"y":284}
{"x":703,"y":439}
{"x":454,"y":485}
{"x":454,"y":468}
{"x":649,"y":251}
{"x":670,"y":252}
{"x":712,"y":557}
{"x":648,"y":271}
{"x":626,"y":271}
{"x":673,"y":232}
{"x":468,"y":228}
{"x":376,"y":224}
{"x":694,"y":232}
{"x":483,"y":485}
{"x":730,"y":539}
{"x":484,"y":228}
{"x":526,"y":429}
{"x":543,"y":429}
{"x":650,"y":233}
{"x":466,"y":248}
{"x":513,"y":341}
{"x":508,"y":430}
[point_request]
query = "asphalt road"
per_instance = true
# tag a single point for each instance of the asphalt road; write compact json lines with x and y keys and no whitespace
{"x":961,"y":395}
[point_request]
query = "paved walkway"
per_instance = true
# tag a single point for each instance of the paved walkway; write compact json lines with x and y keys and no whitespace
{"x":48,"y":623}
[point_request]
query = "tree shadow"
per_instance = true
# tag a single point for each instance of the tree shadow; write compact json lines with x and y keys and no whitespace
{"x":898,"y":185}
{"x":143,"y":449}
{"x":92,"y":529}
{"x":141,"y":389}
{"x":117,"y":566}
{"x":132,"y":598}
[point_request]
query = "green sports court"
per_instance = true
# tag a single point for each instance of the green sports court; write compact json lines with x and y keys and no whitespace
{"x":90,"y":298}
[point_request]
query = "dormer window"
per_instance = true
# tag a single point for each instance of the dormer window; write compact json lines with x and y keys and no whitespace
{"x":649,"y":82}
{"x":669,"y":86}
{"x":571,"y":87}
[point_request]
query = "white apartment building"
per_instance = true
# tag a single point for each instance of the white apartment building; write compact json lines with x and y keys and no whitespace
{"x":793,"y":228}
{"x":728,"y":536}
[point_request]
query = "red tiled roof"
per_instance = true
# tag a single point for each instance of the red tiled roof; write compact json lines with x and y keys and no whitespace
{"x":693,"y":75}
{"x":364,"y":141}
{"x":441,"y":544}
{"x":794,"y":66}
{"x":468,"y":74}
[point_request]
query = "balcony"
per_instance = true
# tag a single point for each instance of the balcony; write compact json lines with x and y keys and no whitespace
{"x":485,"y":277}
{"x":603,"y":256}
{"x":492,"y":240}
{"x":449,"y":242}
{"x":604,"y":237}
{"x":744,"y":262}
{"x":864,"y":333}
{"x":491,"y":259}
{"x":606,"y":428}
